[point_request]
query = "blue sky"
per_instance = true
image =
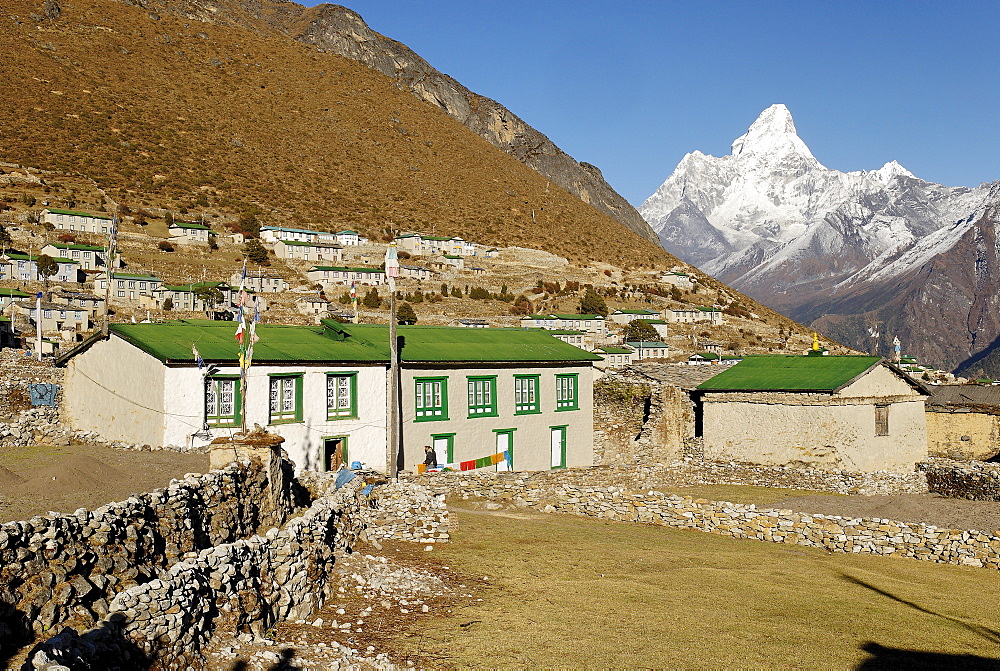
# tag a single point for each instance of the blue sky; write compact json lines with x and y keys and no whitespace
{"x":633,"y":86}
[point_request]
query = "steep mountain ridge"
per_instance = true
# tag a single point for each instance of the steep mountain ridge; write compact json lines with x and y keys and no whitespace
{"x":342,"y":31}
{"x":165,"y":110}
{"x":772,"y":221}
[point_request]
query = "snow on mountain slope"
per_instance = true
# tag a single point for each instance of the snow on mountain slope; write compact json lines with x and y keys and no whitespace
{"x":777,"y":224}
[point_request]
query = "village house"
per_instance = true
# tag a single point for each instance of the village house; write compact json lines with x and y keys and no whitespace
{"x":127,"y":285}
{"x":569,"y":336}
{"x":713,"y":357}
{"x":454,"y":260}
{"x":189,"y":231}
{"x":649,"y":349}
{"x":25,"y":268}
{"x":75,"y":299}
{"x":963,"y":421}
{"x":623,"y":317}
{"x":259,"y":280}
{"x":369,"y":275}
{"x":425,"y":245}
{"x":589,"y":323}
{"x":350,"y":238}
{"x":491,"y":253}
{"x":472,"y":323}
{"x":89,"y":257}
{"x":660,"y":326}
{"x":56,"y":319}
{"x":192,"y":296}
{"x":314,"y":306}
{"x":415,"y":272}
{"x":9,"y":295}
{"x":274,"y":234}
{"x":72,"y":220}
{"x":615,"y":357}
{"x":307,"y":251}
{"x":470,"y":393}
{"x":693,"y":315}
{"x":857,"y":413}
{"x":678,"y":279}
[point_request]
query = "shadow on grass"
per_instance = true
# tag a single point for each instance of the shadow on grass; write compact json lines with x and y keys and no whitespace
{"x":882,"y":657}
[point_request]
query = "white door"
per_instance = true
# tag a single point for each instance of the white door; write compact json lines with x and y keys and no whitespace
{"x":441,"y":449}
{"x":503,"y":444}
{"x":558,"y":447}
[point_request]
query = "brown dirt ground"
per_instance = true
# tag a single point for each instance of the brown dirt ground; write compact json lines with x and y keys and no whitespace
{"x":37,"y":479}
{"x":927,"y":508}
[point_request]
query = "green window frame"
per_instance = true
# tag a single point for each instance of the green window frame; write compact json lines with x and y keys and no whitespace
{"x":430,"y":399}
{"x":285,"y":398}
{"x":449,"y":450}
{"x":342,"y":395}
{"x":567,"y":391}
{"x":223,"y":401}
{"x":482,"y":395}
{"x":526,"y":396}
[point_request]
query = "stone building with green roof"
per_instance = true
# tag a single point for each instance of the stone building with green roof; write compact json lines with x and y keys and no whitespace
{"x":74,"y":220}
{"x":470,"y":393}
{"x":857,"y":413}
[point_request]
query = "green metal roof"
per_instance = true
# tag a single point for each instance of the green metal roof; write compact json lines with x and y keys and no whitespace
{"x":451,"y":256}
{"x":709,"y":309}
{"x":127,"y":276}
{"x":578,"y":316}
{"x":647,"y":344}
{"x":563,"y":332}
{"x":653,"y":321}
{"x":82,"y":248}
{"x":334,"y":342}
{"x":637,"y":312}
{"x":13,"y":293}
{"x":297,"y":243}
{"x":20,"y":256}
{"x":171,"y":343}
{"x":616,"y":350}
{"x":791,"y":373}
{"x":77,"y":213}
{"x":444,"y":344}
{"x":189,"y":224}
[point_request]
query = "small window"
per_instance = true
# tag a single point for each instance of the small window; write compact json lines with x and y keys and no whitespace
{"x":482,"y":396}
{"x":222,"y":401}
{"x":341,"y":395}
{"x":526,"y":395}
{"x":121,"y":294}
{"x":431,"y":398}
{"x":286,"y":399}
{"x":566,"y":392}
{"x":881,"y":420}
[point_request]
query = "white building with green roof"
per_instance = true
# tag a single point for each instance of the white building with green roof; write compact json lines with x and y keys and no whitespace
{"x":856,"y":413}
{"x":470,"y":393}
{"x":308,"y":251}
{"x":367,"y":275}
{"x":24,"y":267}
{"x":693,"y":315}
{"x":189,"y":231}
{"x":90,"y":257}
{"x":75,"y":220}
{"x":625,"y":316}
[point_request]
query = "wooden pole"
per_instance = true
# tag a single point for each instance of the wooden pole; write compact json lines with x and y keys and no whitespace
{"x":392,"y":446}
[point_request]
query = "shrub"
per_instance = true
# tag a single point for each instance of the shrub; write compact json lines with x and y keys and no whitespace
{"x":593,"y":304}
{"x":254,"y":251}
{"x":478,"y":293}
{"x":168,"y":303}
{"x":640,"y":329}
{"x":372,"y":299}
{"x":406,"y":315}
{"x":456,"y":292}
{"x":165,"y":246}
{"x":67,"y":237}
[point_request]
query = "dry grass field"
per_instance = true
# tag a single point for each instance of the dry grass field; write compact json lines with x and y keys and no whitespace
{"x":567,"y":592}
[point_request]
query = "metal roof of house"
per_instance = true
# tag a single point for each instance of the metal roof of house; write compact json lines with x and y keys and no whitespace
{"x":21,"y":256}
{"x":616,"y":350}
{"x":964,"y":395}
{"x":77,"y":213}
{"x":189,"y":224}
{"x":792,"y":373}
{"x":13,"y":293}
{"x":636,"y":312}
{"x":69,"y":245}
{"x":647,"y":344}
{"x":344,"y":269}
{"x":557,"y":316}
{"x":332,"y":341}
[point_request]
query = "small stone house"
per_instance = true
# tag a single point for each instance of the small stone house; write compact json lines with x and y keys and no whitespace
{"x":25,"y":268}
{"x":273,"y":234}
{"x":963,"y":421}
{"x":368,"y":275}
{"x":594,"y":324}
{"x":415,"y":272}
{"x":7,"y":336}
{"x":653,"y":349}
{"x":55,"y":318}
{"x":9,"y":295}
{"x":314,"y":306}
{"x":259,"y":281}
{"x":89,"y":257}
{"x":454,"y":260}
{"x":616,"y":357}
{"x":128,"y":286}
{"x":857,"y":413}
{"x":350,"y":238}
{"x":678,"y":279}
{"x":189,"y":231}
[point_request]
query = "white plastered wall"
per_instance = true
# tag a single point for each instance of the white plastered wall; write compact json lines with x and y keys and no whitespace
{"x":475,"y":437}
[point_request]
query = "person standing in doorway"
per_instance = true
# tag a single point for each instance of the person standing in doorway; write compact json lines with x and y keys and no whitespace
{"x":430,"y":457}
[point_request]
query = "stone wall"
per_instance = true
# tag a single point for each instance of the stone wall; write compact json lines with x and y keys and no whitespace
{"x":244,"y":586}
{"x":62,"y":569}
{"x":554,"y":493}
{"x":962,"y":434}
{"x":405,"y":511}
{"x":976,"y":480}
{"x":639,"y":423}
{"x":20,"y":422}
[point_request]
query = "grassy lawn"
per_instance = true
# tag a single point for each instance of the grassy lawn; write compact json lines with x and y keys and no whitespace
{"x":572,"y":592}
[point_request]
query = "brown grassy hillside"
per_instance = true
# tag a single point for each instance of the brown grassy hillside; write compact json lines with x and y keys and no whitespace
{"x":175,"y":113}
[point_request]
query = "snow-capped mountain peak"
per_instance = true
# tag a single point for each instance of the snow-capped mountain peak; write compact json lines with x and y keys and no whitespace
{"x":772,"y":135}
{"x":889,"y":172}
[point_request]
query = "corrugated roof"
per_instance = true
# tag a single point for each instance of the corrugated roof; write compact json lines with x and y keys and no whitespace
{"x":578,"y":316}
{"x":446,"y":344}
{"x":646,"y":344}
{"x":616,"y":350}
{"x":84,"y":248}
{"x":13,"y":293}
{"x":791,"y":373}
{"x":77,"y":213}
{"x":344,"y":269}
{"x":636,"y":312}
{"x":189,"y":224}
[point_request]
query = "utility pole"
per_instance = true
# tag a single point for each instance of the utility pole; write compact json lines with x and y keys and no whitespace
{"x":394,"y":437}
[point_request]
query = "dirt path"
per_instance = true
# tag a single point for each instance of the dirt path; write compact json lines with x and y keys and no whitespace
{"x":927,"y":508}
{"x":35,"y":480}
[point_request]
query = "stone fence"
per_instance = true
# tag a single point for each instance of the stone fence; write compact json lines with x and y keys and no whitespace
{"x":976,"y":480}
{"x":245,"y":586}
{"x":406,"y":511}
{"x":65,"y":569}
{"x":568,"y":491}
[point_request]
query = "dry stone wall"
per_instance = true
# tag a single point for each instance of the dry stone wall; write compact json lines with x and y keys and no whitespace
{"x":244,"y":586}
{"x":977,"y":480}
{"x":406,"y":511}
{"x":555,"y":493}
{"x":62,"y":569}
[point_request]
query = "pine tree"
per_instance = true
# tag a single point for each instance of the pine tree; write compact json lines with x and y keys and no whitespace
{"x":406,"y":315}
{"x":593,"y":304}
{"x":640,"y":330}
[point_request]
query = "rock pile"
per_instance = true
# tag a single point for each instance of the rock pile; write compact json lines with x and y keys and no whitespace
{"x":976,"y":480}
{"x":406,"y":511}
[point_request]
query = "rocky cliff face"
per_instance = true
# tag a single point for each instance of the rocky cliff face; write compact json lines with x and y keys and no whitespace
{"x":837,"y":249}
{"x":344,"y":32}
